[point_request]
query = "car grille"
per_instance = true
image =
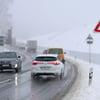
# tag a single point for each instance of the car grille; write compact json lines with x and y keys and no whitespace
{"x":4,"y":62}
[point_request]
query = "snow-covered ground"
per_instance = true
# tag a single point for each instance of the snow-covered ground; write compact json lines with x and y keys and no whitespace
{"x":83,"y":89}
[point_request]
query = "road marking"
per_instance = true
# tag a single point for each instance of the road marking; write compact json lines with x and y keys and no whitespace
{"x":5,"y":81}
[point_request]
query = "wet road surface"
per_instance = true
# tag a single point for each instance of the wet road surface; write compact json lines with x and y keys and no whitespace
{"x":21,"y":86}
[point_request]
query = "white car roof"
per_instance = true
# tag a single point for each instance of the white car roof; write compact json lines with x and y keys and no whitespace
{"x":50,"y":55}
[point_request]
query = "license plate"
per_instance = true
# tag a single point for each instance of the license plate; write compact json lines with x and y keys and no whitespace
{"x":45,"y":68}
{"x":6,"y":65}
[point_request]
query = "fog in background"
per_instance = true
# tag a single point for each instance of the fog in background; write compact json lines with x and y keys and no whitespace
{"x":37,"y":17}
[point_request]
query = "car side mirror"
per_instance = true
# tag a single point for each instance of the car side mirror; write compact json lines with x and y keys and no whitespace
{"x":19,"y":56}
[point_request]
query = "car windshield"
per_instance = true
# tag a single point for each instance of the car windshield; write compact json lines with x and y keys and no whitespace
{"x":55,"y":51}
{"x":8,"y":55}
{"x":42,"y":58}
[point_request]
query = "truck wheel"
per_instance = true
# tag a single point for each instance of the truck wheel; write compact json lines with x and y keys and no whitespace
{"x":63,"y":61}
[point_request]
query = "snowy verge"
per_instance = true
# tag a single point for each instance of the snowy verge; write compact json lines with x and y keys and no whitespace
{"x":81,"y":89}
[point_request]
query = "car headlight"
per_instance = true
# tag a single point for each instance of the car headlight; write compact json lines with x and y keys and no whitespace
{"x":16,"y":65}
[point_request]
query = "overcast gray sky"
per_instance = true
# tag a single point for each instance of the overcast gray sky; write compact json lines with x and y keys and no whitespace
{"x":37,"y":17}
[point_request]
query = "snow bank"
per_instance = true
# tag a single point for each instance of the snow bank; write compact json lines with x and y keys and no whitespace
{"x":82,"y":90}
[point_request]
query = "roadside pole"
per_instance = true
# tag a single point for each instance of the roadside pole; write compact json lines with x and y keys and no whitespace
{"x":89,"y":40}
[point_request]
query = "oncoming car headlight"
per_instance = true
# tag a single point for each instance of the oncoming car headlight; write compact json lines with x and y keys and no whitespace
{"x":16,"y":65}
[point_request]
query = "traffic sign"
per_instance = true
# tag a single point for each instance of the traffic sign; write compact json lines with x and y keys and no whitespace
{"x":97,"y":28}
{"x":89,"y":39}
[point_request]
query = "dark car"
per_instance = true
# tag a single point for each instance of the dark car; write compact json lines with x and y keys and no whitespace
{"x":10,"y":60}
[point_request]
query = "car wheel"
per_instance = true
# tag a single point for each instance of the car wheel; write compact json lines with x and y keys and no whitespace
{"x":35,"y":77}
{"x":61,"y":75}
{"x":20,"y":69}
{"x":17,"y":70}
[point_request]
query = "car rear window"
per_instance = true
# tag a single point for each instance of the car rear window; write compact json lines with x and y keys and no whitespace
{"x":55,"y":51}
{"x":45,"y":58}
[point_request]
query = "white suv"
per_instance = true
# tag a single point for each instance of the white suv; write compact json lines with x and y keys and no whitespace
{"x":47,"y":64}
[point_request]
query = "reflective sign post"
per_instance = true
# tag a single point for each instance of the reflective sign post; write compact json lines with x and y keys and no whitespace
{"x":89,"y":41}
